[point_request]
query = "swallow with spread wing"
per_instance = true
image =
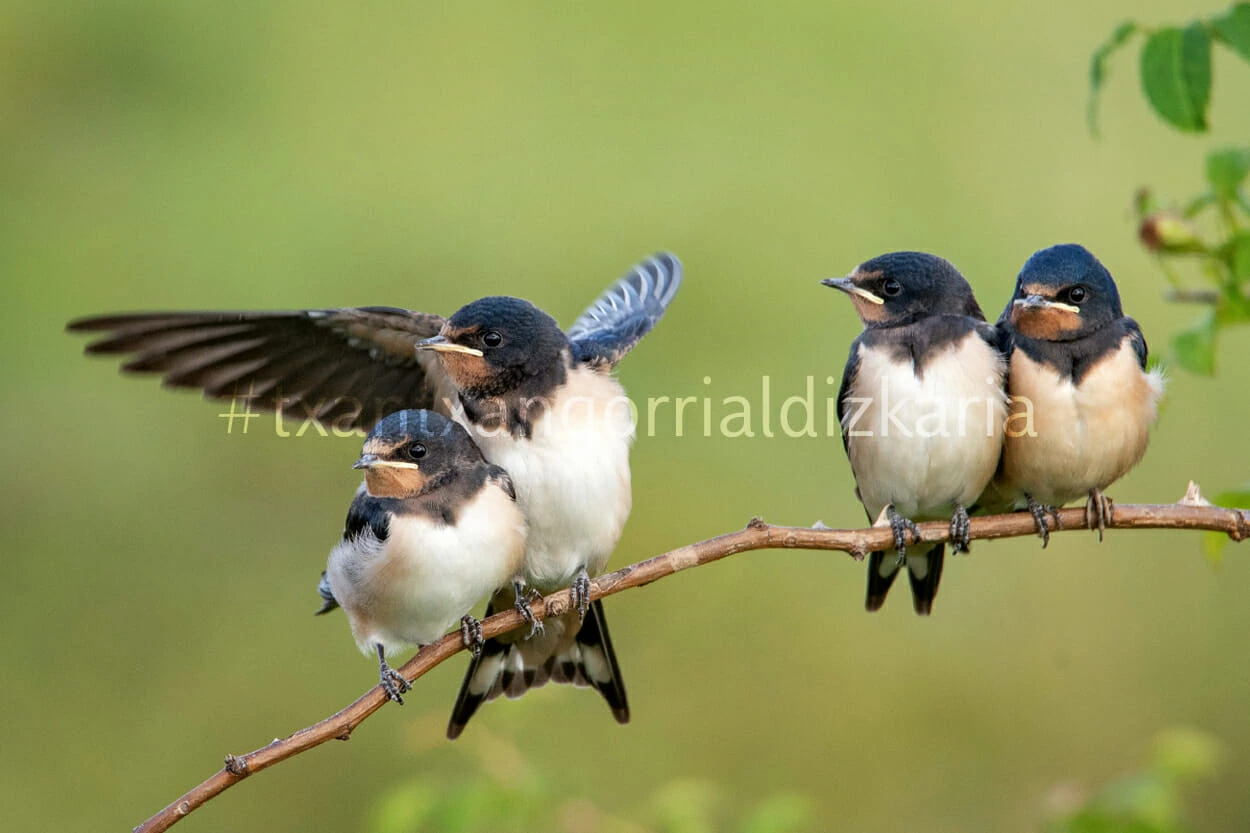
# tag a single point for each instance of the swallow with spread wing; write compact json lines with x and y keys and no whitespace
{"x":540,"y":402}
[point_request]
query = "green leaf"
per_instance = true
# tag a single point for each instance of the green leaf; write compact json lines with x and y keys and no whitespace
{"x":1195,"y":348}
{"x":1226,"y":170}
{"x":1241,"y":257}
{"x":1213,"y":547}
{"x":1196,"y":205}
{"x":687,"y":806}
{"x":1234,"y":305}
{"x":1239,"y":498}
{"x":403,"y":810}
{"x":782,"y":813}
{"x":1187,"y":754}
{"x":1098,"y":69}
{"x":1176,"y":75}
{"x":1234,"y":29}
{"x":1140,"y":802}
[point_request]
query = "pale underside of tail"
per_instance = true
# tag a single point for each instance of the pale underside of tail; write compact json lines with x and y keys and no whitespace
{"x":924,"y":572}
{"x":563,"y":654}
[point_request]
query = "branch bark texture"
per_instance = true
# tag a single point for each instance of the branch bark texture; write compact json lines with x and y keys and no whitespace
{"x":1192,"y":513}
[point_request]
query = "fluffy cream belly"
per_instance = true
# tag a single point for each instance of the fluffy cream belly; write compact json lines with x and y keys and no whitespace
{"x":414,"y":586}
{"x":572,"y":478}
{"x":925,"y":444}
{"x":1063,"y":439}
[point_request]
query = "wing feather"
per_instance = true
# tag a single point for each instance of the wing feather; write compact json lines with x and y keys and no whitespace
{"x":626,"y":311}
{"x":349,"y":366}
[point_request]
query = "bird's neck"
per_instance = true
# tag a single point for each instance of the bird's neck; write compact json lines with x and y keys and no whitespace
{"x":516,"y":407}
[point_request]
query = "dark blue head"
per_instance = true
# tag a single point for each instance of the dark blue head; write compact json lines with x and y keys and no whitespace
{"x":1063,"y":293}
{"x":498,"y":344}
{"x":410,"y":452}
{"x":901,"y":287}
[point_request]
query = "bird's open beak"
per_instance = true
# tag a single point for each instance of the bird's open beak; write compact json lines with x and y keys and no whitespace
{"x":1033,"y":302}
{"x":366,"y":461}
{"x":442,"y":345}
{"x":848,"y":286}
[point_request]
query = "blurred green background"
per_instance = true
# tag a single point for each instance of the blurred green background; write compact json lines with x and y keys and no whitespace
{"x":158,"y":575}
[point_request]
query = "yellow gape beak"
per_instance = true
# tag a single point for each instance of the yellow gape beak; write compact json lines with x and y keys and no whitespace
{"x":1038,"y":302}
{"x":848,"y":286}
{"x":442,"y":345}
{"x":369,"y":461}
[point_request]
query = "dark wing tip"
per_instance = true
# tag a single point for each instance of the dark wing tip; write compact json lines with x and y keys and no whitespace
{"x":96,"y":323}
{"x":346,"y":368}
{"x":627,"y":310}
{"x":670,"y":273}
{"x":657,"y":280}
{"x":121,"y":320}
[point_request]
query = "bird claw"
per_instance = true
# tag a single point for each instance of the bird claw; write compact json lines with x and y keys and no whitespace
{"x":580,"y":593}
{"x":392,"y":682}
{"x":900,"y":526}
{"x":471,"y":634}
{"x":1039,"y":511}
{"x":1098,"y":511}
{"x":522,"y":604}
{"x":961,"y":529}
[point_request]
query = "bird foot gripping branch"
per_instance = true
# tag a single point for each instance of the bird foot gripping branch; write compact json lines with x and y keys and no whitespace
{"x":1039,"y":511}
{"x":1098,"y":512}
{"x":960,"y":527}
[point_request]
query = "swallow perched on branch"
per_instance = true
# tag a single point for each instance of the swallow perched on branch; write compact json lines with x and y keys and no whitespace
{"x":432,"y":531}
{"x":922,"y":406}
{"x":1082,"y":398}
{"x":546,"y":406}
{"x":541,"y":403}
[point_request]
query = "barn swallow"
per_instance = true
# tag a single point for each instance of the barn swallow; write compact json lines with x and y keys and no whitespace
{"x":545,"y":406}
{"x":1082,"y":398}
{"x":922,"y":406}
{"x":540,"y":403}
{"x":433,"y":530}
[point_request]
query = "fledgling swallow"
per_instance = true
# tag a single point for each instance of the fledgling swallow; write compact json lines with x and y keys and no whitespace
{"x":922,"y":406}
{"x":545,"y":405}
{"x":541,"y":403}
{"x":1082,"y":398}
{"x":432,"y":531}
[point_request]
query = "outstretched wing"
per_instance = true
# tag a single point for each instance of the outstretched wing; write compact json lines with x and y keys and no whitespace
{"x":627,"y":311}
{"x":342,"y":367}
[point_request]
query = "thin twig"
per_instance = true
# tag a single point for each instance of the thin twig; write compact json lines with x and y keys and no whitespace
{"x":1191,"y":513}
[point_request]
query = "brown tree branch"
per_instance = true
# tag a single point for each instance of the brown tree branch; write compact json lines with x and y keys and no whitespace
{"x":1192,"y":512}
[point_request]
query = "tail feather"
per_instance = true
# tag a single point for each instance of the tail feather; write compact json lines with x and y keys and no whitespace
{"x":881,"y":575}
{"x":924,"y":572}
{"x":598,"y":663}
{"x":514,"y":667}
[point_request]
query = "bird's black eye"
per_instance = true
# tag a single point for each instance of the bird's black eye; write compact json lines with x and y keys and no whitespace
{"x":492,"y":339}
{"x":1076,"y":294}
{"x":891,"y":287}
{"x":416,"y":451}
